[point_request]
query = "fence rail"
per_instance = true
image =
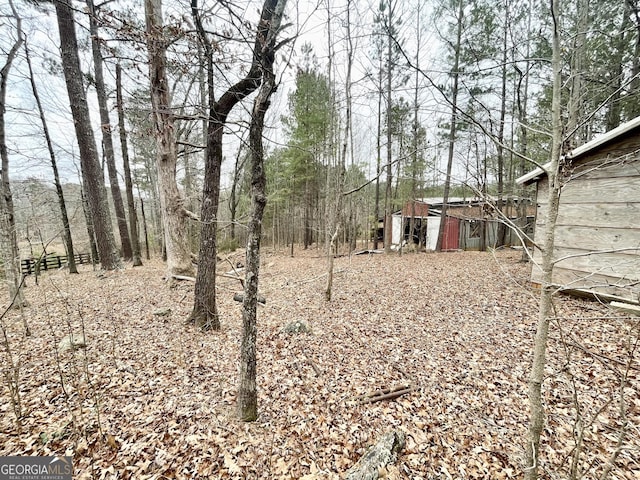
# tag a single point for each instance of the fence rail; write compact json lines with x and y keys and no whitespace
{"x":30,"y":266}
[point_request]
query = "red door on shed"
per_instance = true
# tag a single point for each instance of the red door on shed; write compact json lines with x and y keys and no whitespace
{"x":451,"y":235}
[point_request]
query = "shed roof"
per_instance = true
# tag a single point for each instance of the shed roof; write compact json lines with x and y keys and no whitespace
{"x":599,"y":141}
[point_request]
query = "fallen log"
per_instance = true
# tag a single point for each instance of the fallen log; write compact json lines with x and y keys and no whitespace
{"x":383,"y":453}
{"x":384,"y":394}
{"x":183,"y":277}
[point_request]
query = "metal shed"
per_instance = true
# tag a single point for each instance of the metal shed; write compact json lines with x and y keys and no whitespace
{"x":597,"y":234}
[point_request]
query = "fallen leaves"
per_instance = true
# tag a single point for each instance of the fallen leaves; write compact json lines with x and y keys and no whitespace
{"x":151,"y":397}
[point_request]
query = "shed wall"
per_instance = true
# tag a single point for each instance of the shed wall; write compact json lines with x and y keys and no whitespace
{"x":433,"y":226}
{"x":396,"y":229}
{"x":597,"y":235}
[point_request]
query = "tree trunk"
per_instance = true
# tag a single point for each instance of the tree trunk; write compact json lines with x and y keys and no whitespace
{"x":9,"y":246}
{"x":614,"y":105}
{"x":335,"y":216}
{"x":388,"y":224}
{"x":452,"y":127}
{"x":414,"y":152}
{"x":131,"y":206}
{"x":91,"y":233}
{"x":66,"y":232}
{"x":266,"y":36}
{"x":576,"y":80}
{"x":174,"y":218}
{"x":308,"y":233}
{"x":107,"y":140}
{"x":144,"y":227}
{"x":536,"y":422}
{"x":234,"y":197}
{"x":331,"y":158}
{"x":523,"y":138}
{"x":247,"y":390}
{"x":501,"y":229}
{"x":378,"y":161}
{"x":91,"y":172}
{"x":205,"y":310}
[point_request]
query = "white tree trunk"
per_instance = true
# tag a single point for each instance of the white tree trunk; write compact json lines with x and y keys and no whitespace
{"x":174,"y":217}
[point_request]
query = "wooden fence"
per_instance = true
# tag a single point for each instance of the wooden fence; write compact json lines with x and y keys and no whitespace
{"x":30,"y":266}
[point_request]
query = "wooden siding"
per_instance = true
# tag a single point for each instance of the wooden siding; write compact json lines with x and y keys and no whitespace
{"x":602,"y":190}
{"x":595,"y":283}
{"x":597,"y":234}
{"x":621,"y":215}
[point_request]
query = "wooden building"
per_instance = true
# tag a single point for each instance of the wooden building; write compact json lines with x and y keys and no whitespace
{"x":597,"y":234}
{"x":470,"y":224}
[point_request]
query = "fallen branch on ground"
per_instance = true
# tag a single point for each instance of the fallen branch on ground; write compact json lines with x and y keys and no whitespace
{"x":602,"y":358}
{"x":183,"y":277}
{"x":193,"y":279}
{"x":384,"y":394}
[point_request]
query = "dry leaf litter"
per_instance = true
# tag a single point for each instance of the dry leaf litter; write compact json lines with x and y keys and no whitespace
{"x":150,"y":397}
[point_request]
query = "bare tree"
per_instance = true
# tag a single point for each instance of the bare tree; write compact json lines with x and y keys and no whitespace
{"x":205,"y":310}
{"x":107,"y":140}
{"x":174,"y":215}
{"x":333,"y":227}
{"x":66,"y":233}
{"x":502,"y":229}
{"x":9,"y":247}
{"x":391,"y":42}
{"x":91,"y":172}
{"x":376,"y":209}
{"x":536,"y":422}
{"x":264,"y":55}
{"x":415,"y":128}
{"x":133,"y":216}
{"x":457,"y":46}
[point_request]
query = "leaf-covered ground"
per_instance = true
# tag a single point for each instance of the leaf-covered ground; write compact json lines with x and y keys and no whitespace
{"x":151,"y":397}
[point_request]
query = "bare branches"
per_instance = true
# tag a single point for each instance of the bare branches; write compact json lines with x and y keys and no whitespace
{"x":463,"y":113}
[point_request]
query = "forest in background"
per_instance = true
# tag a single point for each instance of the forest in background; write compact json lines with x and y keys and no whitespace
{"x":421,"y":85}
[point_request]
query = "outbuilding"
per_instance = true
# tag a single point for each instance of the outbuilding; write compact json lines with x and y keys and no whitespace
{"x":470,"y":223}
{"x":597,"y":232}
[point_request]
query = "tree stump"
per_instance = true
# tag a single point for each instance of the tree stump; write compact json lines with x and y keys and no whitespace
{"x":383,"y":453}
